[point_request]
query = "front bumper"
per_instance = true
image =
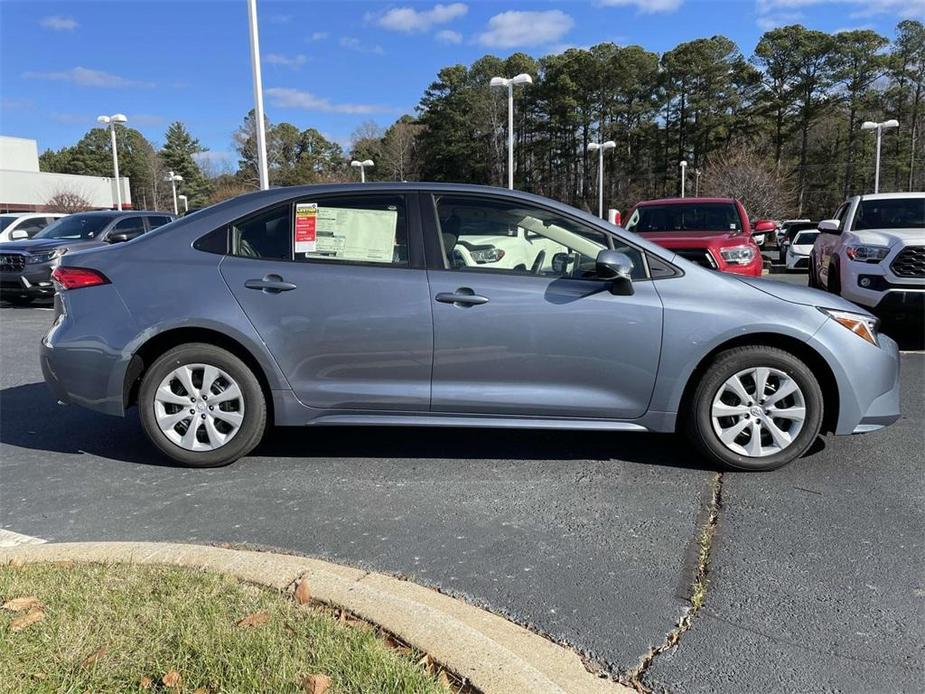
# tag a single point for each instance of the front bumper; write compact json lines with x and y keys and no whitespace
{"x":32,"y":281}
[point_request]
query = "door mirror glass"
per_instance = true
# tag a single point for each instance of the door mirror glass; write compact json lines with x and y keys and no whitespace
{"x":17,"y":234}
{"x":829,"y":226}
{"x":617,"y":267}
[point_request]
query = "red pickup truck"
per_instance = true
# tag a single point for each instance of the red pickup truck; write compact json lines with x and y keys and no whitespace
{"x":713,"y":232}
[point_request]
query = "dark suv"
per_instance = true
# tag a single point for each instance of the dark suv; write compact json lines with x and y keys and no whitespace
{"x":25,"y":266}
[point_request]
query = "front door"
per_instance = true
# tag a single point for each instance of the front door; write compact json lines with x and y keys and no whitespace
{"x":343,"y":306}
{"x":521,"y":324}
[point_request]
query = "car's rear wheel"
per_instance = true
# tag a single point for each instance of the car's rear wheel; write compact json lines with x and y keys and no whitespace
{"x":202,"y":406}
{"x":755,"y":408}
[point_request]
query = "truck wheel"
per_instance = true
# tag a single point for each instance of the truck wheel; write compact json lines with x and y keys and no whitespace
{"x":833,"y":284}
{"x":755,"y":408}
{"x":202,"y":406}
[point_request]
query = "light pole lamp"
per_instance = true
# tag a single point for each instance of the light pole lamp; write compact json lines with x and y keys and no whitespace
{"x":183,"y":199}
{"x":522,"y":78}
{"x":879,"y":127}
{"x":696,"y":183}
{"x":361,"y":165}
{"x":111,"y":122}
{"x":600,"y":148}
{"x":174,"y":179}
{"x":683,"y":170}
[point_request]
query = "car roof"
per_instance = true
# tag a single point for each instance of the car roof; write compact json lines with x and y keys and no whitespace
{"x":683,"y":201}
{"x":20,"y":215}
{"x":891,"y":196}
{"x":123,"y":213}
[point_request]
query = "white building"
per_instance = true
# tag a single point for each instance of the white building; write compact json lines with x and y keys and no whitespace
{"x":23,"y":188}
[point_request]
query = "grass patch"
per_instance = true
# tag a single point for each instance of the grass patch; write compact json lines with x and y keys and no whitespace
{"x":118,"y":628}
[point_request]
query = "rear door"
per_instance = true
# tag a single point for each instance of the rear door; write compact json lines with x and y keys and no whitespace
{"x":336,"y":288}
{"x":521,"y":325}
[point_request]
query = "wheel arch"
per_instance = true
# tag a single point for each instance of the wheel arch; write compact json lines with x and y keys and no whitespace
{"x":150,"y":350}
{"x":809,"y":356}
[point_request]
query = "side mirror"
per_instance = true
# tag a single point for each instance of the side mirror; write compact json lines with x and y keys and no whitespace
{"x":763,"y":226}
{"x":829,"y":226}
{"x":123,"y":236}
{"x":613,"y":216}
{"x":18,"y":234}
{"x":618,"y":268}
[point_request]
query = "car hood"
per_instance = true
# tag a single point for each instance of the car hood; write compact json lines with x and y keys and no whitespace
{"x":796,"y":294}
{"x":45,"y":245}
{"x":694,"y":239}
{"x":890,"y":237}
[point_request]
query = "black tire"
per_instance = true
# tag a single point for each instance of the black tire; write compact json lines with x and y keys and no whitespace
{"x":811,"y":280}
{"x":699,"y":424}
{"x":833,"y":282}
{"x":252,"y":427}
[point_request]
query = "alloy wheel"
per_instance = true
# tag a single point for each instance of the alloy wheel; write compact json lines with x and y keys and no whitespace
{"x":758,"y":412}
{"x":199,"y":407}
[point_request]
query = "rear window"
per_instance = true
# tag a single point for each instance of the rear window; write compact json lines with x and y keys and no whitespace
{"x":893,"y":213}
{"x":701,"y":216}
{"x":805,"y":238}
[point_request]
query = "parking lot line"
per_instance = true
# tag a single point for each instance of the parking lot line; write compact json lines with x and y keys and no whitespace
{"x":10,"y":539}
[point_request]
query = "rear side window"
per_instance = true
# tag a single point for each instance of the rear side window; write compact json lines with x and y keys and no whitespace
{"x":130,"y":224}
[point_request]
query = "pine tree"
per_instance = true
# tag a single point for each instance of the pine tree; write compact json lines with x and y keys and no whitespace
{"x":177,"y":153}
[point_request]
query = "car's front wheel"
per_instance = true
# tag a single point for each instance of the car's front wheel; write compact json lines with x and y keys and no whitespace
{"x":202,"y":406}
{"x":755,"y":408}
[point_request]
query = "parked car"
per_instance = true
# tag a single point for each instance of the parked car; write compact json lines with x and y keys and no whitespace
{"x":712,"y":232}
{"x":15,"y":226}
{"x":872,"y":252}
{"x":797,"y":253}
{"x":784,"y":226}
{"x":26,"y":265}
{"x":790,"y":232}
{"x":349,"y":305}
{"x":763,"y":232}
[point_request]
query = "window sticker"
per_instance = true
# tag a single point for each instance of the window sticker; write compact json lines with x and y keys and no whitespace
{"x":354,"y":234}
{"x":306,"y":227}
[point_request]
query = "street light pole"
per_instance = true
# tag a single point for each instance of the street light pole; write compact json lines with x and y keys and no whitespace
{"x":879,"y":127}
{"x":522,"y":78}
{"x":683,"y":170}
{"x":262,"y":172}
{"x":174,"y":178}
{"x":696,"y":183}
{"x":600,"y":147}
{"x":361,"y":165}
{"x":111,"y":122}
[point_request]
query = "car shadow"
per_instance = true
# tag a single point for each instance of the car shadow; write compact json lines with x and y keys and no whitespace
{"x":30,"y":419}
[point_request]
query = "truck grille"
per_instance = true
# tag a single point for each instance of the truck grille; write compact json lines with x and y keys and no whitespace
{"x":910,"y":262}
{"x":701,"y":256}
{"x":12,"y":262}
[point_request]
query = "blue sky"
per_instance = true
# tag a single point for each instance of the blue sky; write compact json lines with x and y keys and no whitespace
{"x":327,"y":65}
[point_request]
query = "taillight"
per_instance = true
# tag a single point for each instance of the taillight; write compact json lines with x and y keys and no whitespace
{"x":77,"y":277}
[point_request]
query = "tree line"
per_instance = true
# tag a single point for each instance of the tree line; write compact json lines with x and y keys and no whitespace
{"x":779,"y":129}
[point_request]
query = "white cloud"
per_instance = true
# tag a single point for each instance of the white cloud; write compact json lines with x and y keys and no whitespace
{"x":319,"y":36}
{"x":408,"y":19}
{"x":295,"y":62}
{"x":864,"y":8}
{"x":86,"y":77}
{"x":88,"y":119}
{"x":766,"y":22}
{"x":516,"y":28}
{"x":448,"y":36}
{"x":354,"y":44}
{"x":58,"y":23}
{"x":646,"y":6}
{"x":294,"y":98}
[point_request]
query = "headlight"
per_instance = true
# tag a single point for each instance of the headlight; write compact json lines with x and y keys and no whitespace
{"x":867,"y":254}
{"x":45,"y":257}
{"x":739,"y":255}
{"x":487,"y":255}
{"x":865,"y":327}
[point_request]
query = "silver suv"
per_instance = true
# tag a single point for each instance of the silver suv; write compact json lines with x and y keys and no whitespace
{"x":872,"y":252}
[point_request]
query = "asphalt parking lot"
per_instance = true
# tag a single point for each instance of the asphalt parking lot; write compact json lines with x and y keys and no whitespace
{"x":815,"y":574}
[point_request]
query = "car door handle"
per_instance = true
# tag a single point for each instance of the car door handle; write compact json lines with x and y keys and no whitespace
{"x":270,"y":284}
{"x":461,"y":297}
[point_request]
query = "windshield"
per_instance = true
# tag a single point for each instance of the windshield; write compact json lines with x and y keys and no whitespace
{"x":805,"y":238}
{"x":699,"y":216}
{"x":6,"y":221}
{"x":77,"y":226}
{"x":893,"y":213}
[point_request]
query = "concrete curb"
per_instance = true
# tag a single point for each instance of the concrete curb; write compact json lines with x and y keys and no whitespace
{"x":493,"y":654}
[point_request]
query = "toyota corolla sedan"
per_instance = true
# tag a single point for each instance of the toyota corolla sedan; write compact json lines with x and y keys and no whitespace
{"x":393,"y":304}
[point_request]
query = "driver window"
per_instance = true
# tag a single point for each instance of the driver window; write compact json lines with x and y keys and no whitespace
{"x":478,"y":234}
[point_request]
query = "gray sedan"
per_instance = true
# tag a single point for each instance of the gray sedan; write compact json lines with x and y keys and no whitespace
{"x":451,"y":305}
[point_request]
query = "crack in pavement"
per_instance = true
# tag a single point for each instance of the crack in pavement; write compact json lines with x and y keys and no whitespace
{"x":698,"y":589}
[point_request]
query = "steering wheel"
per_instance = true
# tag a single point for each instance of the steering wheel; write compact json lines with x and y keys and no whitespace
{"x":537,"y":266}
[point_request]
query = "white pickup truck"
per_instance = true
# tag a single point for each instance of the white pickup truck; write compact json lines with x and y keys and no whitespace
{"x":872,"y":252}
